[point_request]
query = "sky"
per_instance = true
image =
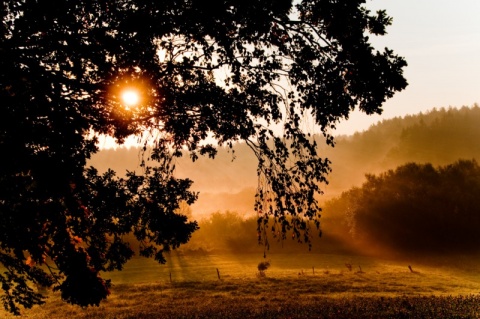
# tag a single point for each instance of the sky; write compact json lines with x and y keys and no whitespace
{"x":440,"y":39}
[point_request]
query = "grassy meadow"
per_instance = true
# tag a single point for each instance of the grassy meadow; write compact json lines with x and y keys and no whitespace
{"x":209,"y":280}
{"x":295,"y":286}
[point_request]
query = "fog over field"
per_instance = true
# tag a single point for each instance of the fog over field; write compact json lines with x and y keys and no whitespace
{"x":430,"y":142}
{"x":439,"y":137}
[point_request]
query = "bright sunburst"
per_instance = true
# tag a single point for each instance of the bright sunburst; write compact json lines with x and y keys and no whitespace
{"x":130,"y":97}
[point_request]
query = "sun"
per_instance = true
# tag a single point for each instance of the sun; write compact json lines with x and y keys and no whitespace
{"x":130,"y":93}
{"x":130,"y":97}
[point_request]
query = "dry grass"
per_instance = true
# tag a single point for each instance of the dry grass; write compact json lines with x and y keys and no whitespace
{"x":381,"y":290}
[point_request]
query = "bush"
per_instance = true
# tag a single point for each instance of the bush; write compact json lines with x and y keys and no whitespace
{"x":262,"y":267}
{"x":417,"y":208}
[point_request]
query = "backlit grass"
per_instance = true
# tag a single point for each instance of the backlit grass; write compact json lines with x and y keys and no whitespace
{"x":330,"y":290}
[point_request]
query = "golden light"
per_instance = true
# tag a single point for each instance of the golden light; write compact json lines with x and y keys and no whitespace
{"x":130,"y":97}
{"x":130,"y":94}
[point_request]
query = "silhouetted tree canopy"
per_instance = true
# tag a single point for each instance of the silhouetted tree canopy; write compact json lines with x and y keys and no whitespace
{"x":227,"y":70}
{"x":416,"y":208}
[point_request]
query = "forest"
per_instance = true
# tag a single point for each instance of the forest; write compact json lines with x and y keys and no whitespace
{"x":392,"y":191}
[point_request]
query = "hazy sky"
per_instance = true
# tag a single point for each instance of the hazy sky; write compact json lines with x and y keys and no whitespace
{"x":440,"y":40}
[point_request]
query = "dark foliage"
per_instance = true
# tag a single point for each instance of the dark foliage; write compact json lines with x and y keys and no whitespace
{"x":227,"y":69}
{"x":417,"y":209}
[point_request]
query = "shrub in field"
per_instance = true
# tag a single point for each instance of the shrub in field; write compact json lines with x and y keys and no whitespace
{"x":262,"y":267}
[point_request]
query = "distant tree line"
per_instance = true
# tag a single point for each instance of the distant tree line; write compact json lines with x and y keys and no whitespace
{"x":383,"y":146}
{"x":440,"y":137}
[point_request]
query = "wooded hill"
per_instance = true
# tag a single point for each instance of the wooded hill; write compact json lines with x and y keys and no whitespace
{"x":440,"y":137}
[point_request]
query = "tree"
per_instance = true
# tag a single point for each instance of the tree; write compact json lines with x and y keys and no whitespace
{"x":416,"y":208}
{"x":230,"y":70}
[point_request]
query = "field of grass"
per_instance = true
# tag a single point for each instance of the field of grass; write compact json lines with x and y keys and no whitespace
{"x":296,"y":286}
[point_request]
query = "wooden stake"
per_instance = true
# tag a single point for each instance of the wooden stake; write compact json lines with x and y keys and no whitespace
{"x":218,"y":274}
